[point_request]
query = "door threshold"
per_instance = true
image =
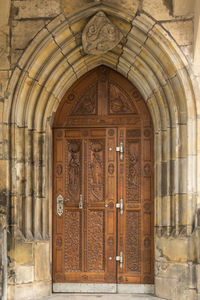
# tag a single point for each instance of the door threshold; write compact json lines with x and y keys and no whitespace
{"x":108,"y":288}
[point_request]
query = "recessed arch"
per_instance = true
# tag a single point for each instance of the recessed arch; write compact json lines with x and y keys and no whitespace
{"x":54,"y":60}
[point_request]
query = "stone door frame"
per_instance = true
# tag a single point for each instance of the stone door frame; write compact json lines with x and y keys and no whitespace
{"x":35,"y":90}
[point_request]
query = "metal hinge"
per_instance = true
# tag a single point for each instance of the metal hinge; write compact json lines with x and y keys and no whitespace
{"x":120,"y":149}
{"x":120,"y":259}
{"x":120,"y":205}
{"x":81,"y":202}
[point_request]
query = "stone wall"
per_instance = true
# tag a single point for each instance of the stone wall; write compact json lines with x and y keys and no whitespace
{"x":41,"y":55}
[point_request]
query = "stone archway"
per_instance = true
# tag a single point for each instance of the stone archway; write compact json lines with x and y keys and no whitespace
{"x":151,"y":60}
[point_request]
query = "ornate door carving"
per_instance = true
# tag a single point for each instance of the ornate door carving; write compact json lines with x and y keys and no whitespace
{"x":97,"y":115}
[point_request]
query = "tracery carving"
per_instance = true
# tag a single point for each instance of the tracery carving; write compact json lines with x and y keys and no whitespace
{"x":133,"y":162}
{"x":96,"y":240}
{"x":119,"y":101}
{"x":72,"y":254}
{"x":133,"y":248}
{"x":87,"y":102}
{"x":96,"y":171}
{"x":73,"y":170}
{"x":100,"y":35}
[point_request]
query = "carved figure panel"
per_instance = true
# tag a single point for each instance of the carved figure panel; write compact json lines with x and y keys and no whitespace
{"x":96,"y":170}
{"x":73,"y":170}
{"x":100,"y":35}
{"x":133,"y":247}
{"x":133,"y":172}
{"x":96,"y":240}
{"x":72,"y":252}
{"x":119,"y":101}
{"x":87,"y":103}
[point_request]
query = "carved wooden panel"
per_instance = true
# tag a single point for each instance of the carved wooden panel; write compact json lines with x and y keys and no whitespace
{"x":133,"y":243}
{"x":133,"y":173}
{"x":73,"y":170}
{"x":87,"y":102}
{"x":73,"y":241}
{"x":96,"y":241}
{"x":96,"y":170}
{"x":119,"y":101}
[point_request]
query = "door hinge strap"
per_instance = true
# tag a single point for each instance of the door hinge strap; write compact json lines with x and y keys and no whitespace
{"x":121,"y":150}
{"x":120,"y":259}
{"x":120,"y":205}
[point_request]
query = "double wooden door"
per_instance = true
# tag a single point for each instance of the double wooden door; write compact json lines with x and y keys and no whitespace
{"x":103,"y":211}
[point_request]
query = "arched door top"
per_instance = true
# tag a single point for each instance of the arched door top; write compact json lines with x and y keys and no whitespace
{"x":104,"y":96}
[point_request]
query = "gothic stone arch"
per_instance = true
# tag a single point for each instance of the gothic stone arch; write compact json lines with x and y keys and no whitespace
{"x":54,"y":60}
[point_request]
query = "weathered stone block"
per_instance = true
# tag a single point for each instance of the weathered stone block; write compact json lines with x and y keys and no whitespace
{"x":42,"y":269}
{"x":21,"y":292}
{"x":42,"y":289}
{"x":172,"y":249}
{"x":22,"y":253}
{"x":29,"y":28}
{"x":4,"y":12}
{"x":4,"y":76}
{"x":4,"y":48}
{"x":182,"y":31}
{"x":165,"y":288}
{"x":15,"y":56}
{"x":24,"y":274}
{"x":129,"y":5}
{"x":36,"y":9}
{"x":183,"y":7}
{"x":157,"y":9}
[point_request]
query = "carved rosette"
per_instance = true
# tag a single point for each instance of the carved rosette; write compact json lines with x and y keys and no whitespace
{"x":100,"y":35}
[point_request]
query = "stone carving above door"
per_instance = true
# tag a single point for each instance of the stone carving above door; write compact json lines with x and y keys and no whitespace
{"x":100,"y":35}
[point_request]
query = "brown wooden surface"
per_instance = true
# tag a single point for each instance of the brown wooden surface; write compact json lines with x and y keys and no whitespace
{"x":98,"y":112}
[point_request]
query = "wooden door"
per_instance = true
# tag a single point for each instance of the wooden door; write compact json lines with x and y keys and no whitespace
{"x":85,"y":243}
{"x":103,"y":198}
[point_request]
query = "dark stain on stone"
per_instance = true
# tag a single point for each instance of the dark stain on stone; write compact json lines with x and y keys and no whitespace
{"x":169,"y":5}
{"x":3,"y":197}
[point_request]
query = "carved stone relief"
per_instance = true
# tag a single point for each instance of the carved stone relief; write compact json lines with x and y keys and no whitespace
{"x":100,"y":35}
